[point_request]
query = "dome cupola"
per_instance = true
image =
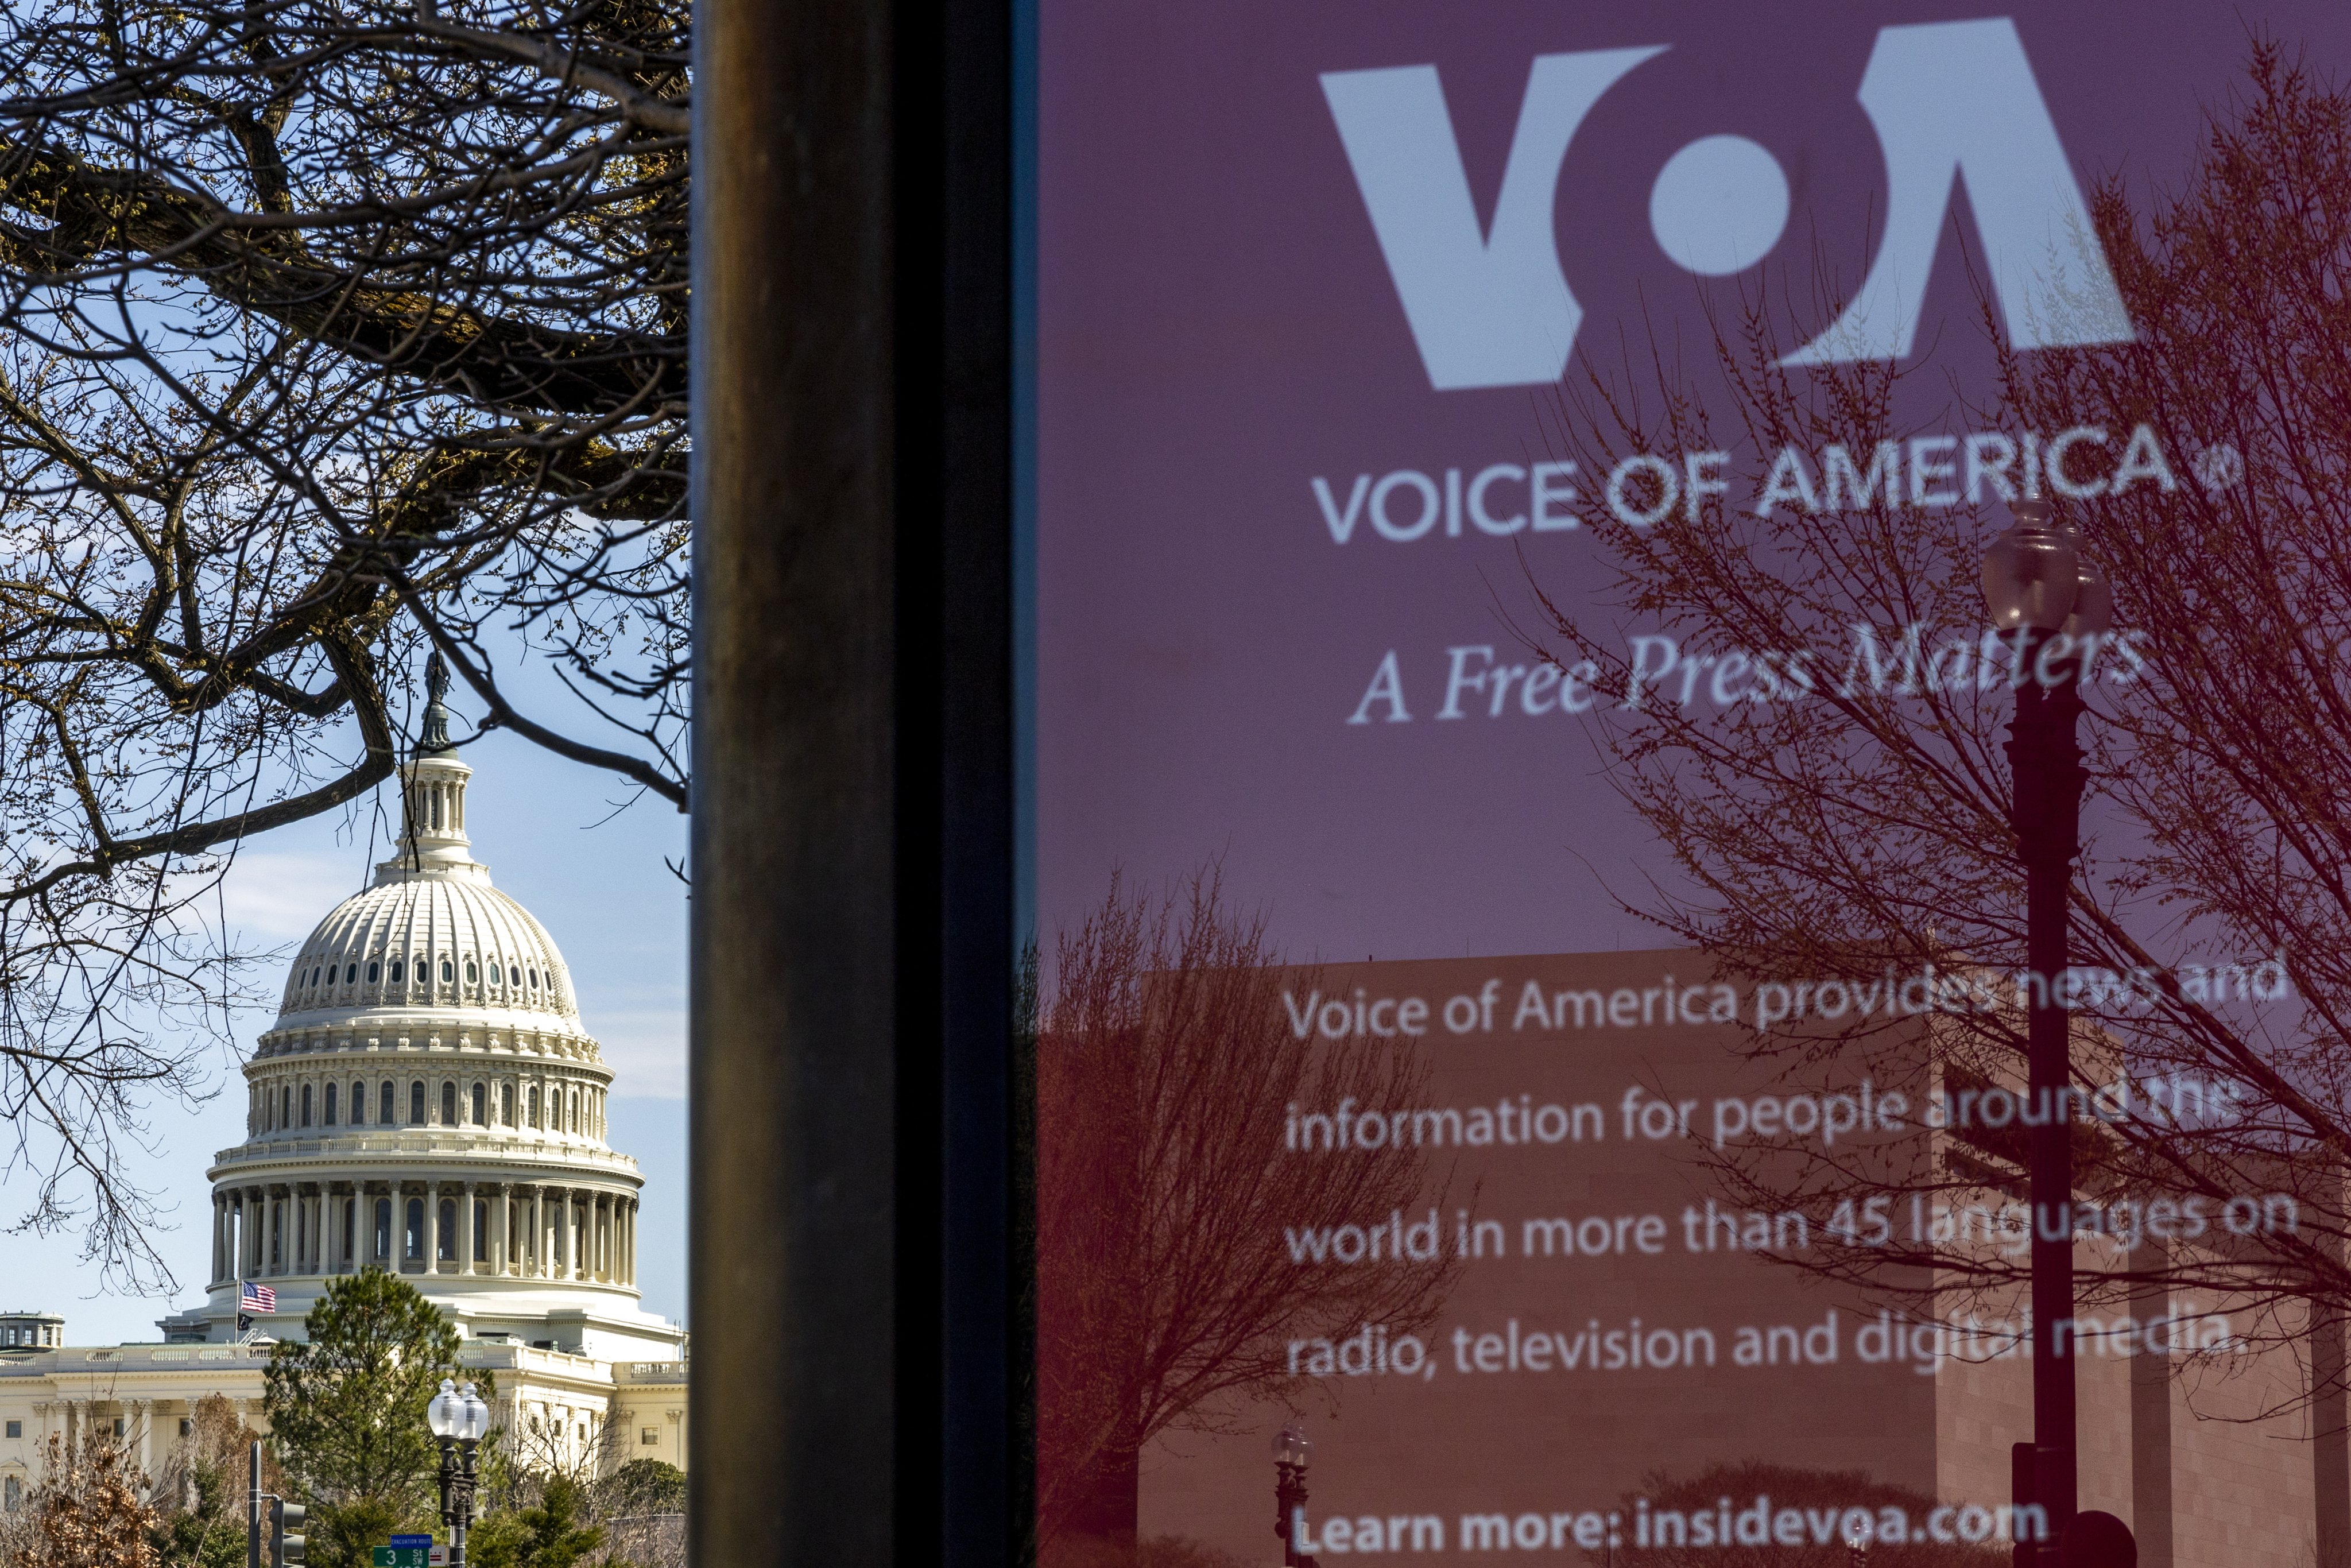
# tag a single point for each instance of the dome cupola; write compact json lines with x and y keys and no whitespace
{"x":430,"y":930}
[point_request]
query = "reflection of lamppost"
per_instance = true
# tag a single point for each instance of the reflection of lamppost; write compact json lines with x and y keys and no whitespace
{"x":458,"y":1418}
{"x":2037,"y":585}
{"x":1290,"y":1449}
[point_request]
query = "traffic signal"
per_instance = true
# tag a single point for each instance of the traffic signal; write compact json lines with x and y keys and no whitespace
{"x":285,"y":1549}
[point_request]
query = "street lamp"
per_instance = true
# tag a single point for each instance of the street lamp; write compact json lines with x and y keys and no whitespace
{"x":2039,"y":585}
{"x":1291,"y":1451}
{"x":459,"y":1417}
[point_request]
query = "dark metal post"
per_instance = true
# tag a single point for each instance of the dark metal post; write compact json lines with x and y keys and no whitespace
{"x":465,"y":1504}
{"x":2046,"y":758}
{"x":456,"y":1479}
{"x":852,"y":951}
{"x":253,"y":1505}
{"x":1289,"y":1496}
{"x":2024,"y":1542}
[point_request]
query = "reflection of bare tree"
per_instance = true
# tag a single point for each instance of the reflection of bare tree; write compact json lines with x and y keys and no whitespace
{"x":1165,"y":1068}
{"x":1744,"y":1500}
{"x":1851,"y":824}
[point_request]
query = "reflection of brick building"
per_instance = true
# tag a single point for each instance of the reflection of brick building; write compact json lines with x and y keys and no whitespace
{"x":1612,"y":1327}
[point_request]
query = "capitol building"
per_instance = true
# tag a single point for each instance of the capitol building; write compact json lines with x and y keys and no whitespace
{"x":429,"y":1102}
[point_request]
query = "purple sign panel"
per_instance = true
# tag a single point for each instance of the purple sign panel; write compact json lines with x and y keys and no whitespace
{"x":1309,"y":279}
{"x":1373,"y":342}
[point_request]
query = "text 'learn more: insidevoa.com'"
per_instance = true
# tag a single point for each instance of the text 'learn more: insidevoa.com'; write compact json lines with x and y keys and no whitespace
{"x":1730,"y":1523}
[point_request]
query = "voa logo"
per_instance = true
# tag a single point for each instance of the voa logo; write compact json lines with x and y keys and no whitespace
{"x":1949,"y":101}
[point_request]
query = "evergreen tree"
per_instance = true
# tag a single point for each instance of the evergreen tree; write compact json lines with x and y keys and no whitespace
{"x":555,"y":1534}
{"x":344,"y":1534}
{"x":346,"y":1410}
{"x":210,"y":1532}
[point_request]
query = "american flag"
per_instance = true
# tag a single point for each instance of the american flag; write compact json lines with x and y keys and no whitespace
{"x":256,"y":1298}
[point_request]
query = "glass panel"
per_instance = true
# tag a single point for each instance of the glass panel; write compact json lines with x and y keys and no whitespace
{"x":1681,"y":719}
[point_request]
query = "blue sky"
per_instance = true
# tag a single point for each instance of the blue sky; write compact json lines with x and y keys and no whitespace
{"x":547,"y":829}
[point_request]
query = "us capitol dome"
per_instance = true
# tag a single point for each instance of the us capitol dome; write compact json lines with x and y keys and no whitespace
{"x":429,"y":1102}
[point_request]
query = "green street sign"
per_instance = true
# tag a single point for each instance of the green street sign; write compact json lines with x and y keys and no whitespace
{"x":402,"y":1556}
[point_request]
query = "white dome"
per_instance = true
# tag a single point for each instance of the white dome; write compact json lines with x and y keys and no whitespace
{"x":431,"y":932}
{"x":433,"y":938}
